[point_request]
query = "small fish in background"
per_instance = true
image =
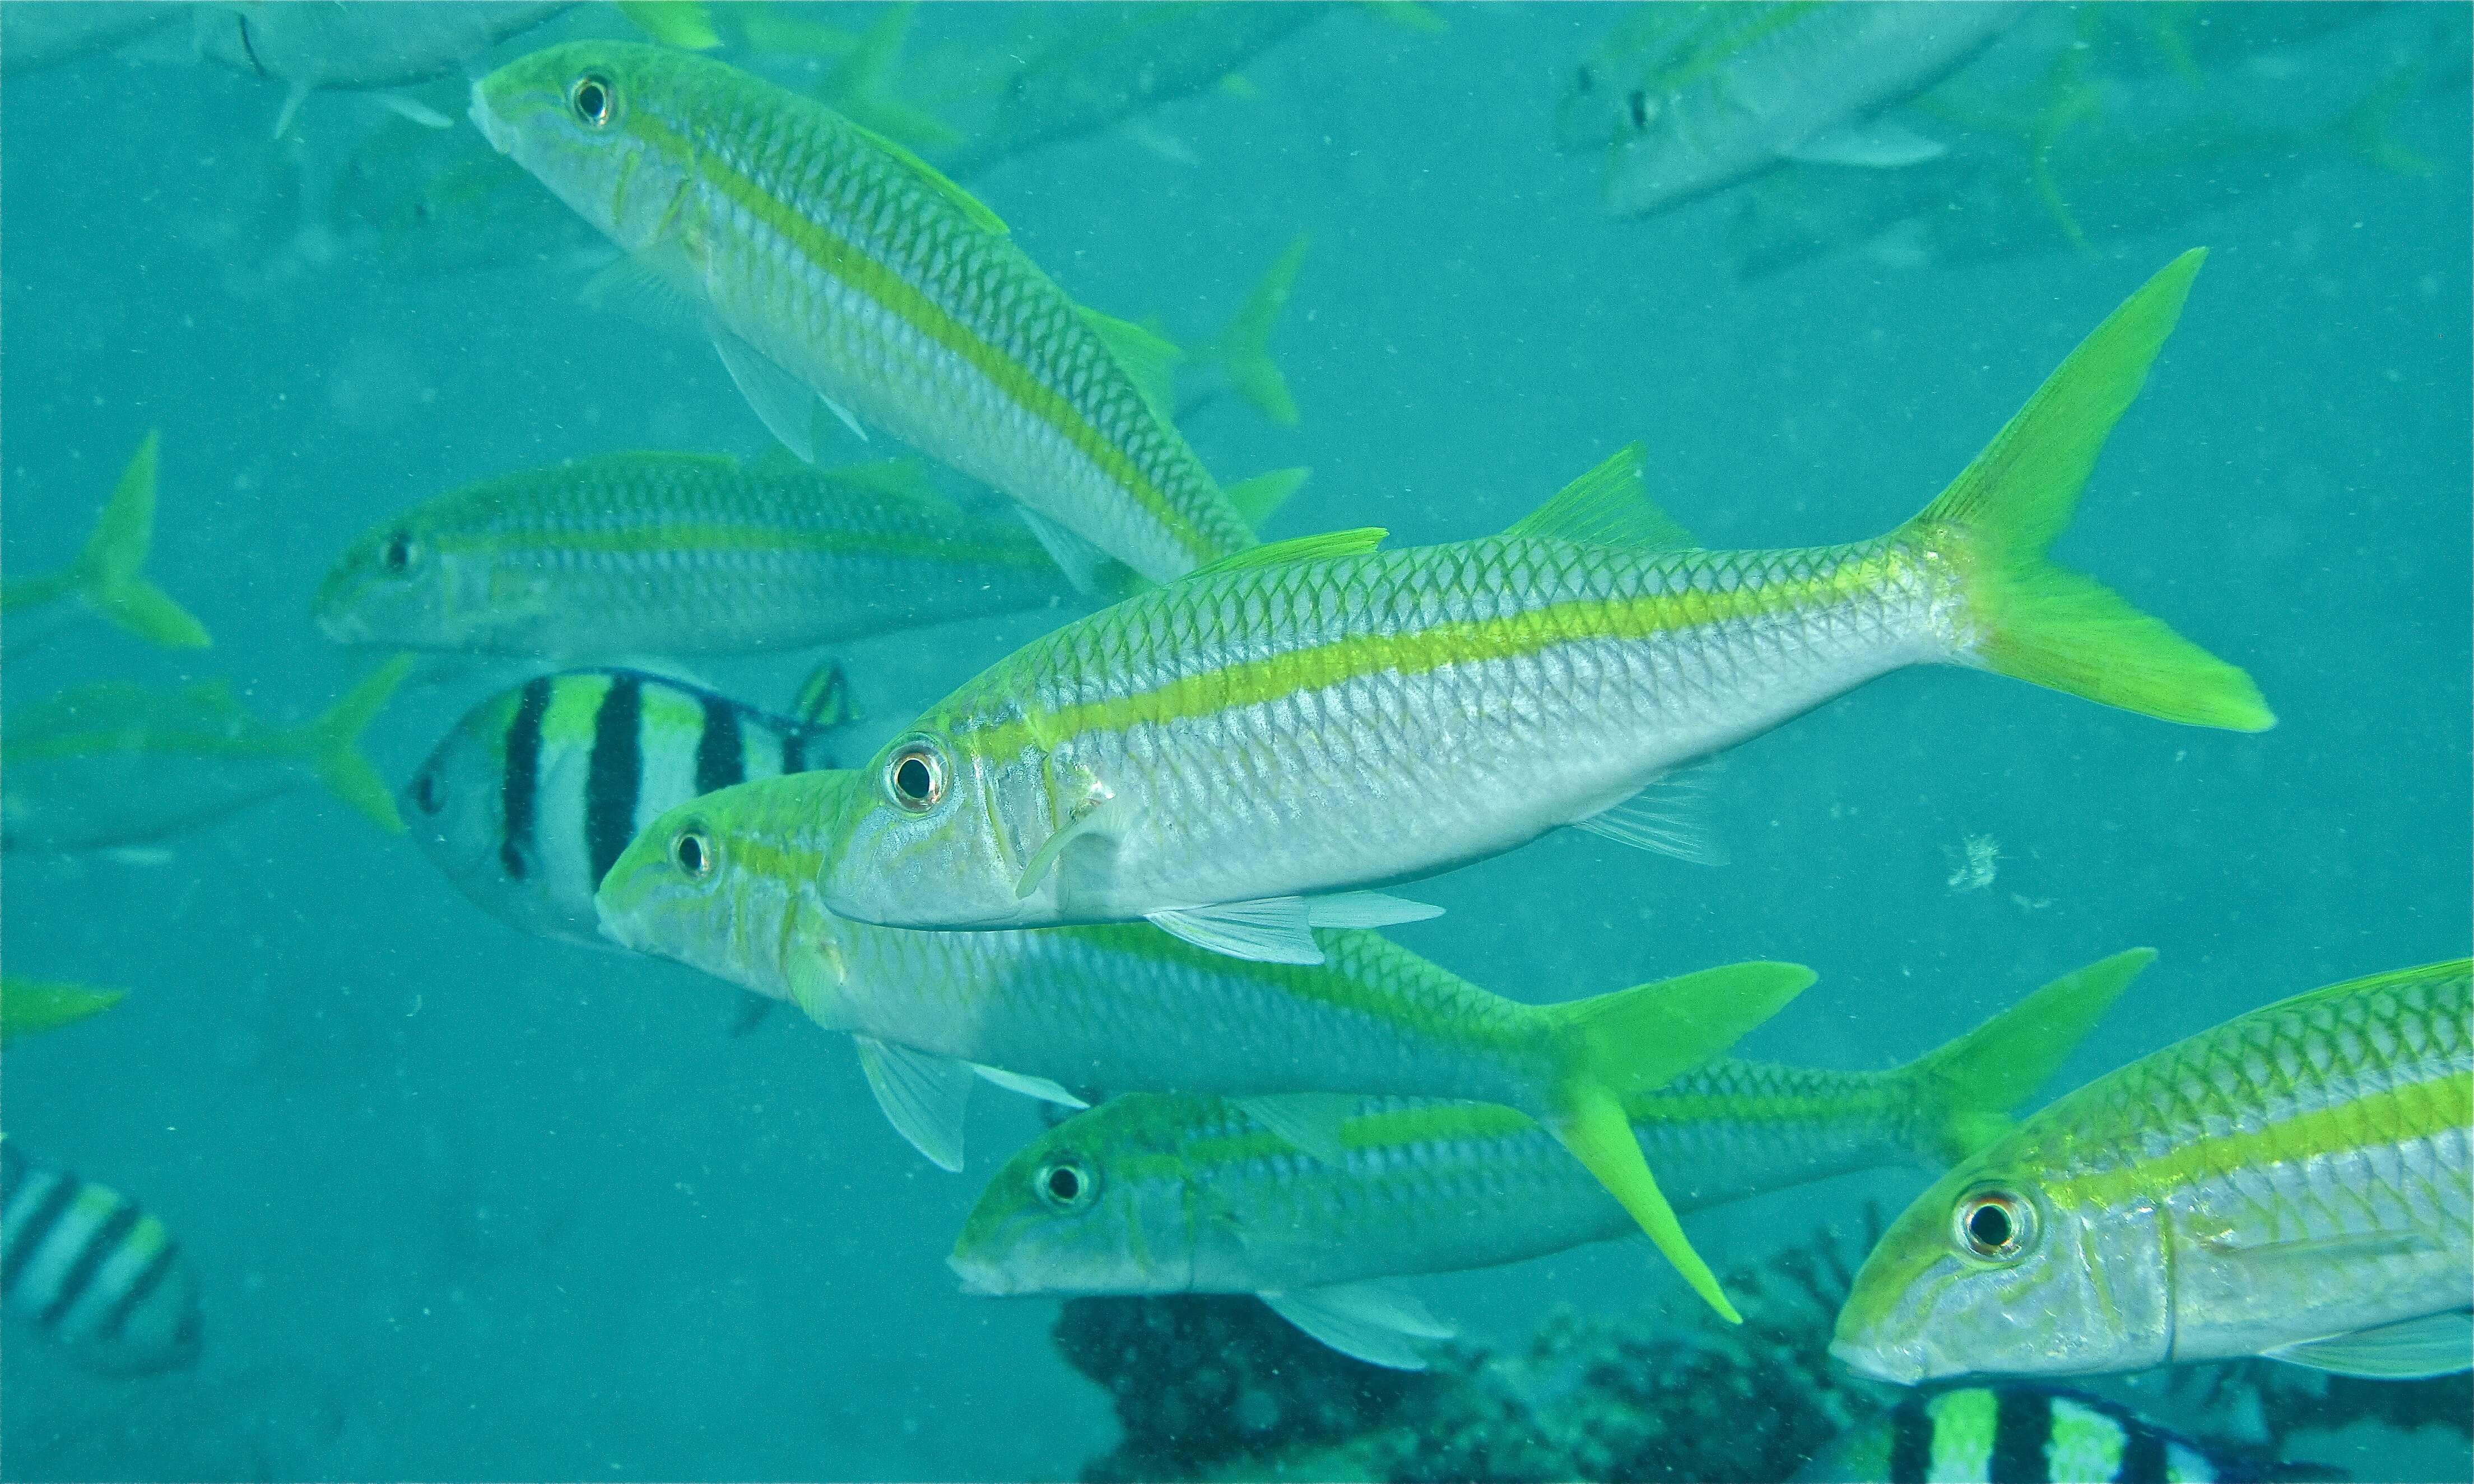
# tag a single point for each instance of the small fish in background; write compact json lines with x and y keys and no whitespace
{"x":36,"y":37}
{"x":2029,"y":1435}
{"x":628,"y":554}
{"x":110,"y":763}
{"x":2294,"y":1184}
{"x":109,"y":575}
{"x":532,"y":795}
{"x":30,"y":1007}
{"x":724,"y":883}
{"x":87,"y":1268}
{"x":926,"y":320}
{"x":1163,"y":1194}
{"x":1240,"y":756}
{"x":1703,"y":97}
{"x":358,"y":47}
{"x":1240,"y":357}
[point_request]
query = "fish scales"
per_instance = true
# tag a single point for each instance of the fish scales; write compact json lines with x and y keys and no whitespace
{"x":845,"y":266}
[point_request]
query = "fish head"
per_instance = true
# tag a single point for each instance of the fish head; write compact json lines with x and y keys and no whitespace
{"x":394,"y":586}
{"x":725,"y":883}
{"x":937,"y":831}
{"x":1999,"y":1271}
{"x":1097,"y":1204}
{"x":609,"y":127}
{"x":454,"y":807}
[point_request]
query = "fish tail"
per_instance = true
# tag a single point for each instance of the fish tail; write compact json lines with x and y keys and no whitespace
{"x":1960,"y":1094}
{"x":2035,"y":621}
{"x":1244,"y":349}
{"x":110,"y":573}
{"x":1639,"y":1039}
{"x":335,"y":745}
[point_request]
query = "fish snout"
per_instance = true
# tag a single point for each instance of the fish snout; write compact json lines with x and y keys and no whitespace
{"x":981,"y":1279}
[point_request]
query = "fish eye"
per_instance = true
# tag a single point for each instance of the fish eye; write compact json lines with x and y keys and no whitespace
{"x":1994,"y":1226}
{"x":1066,"y":1185}
{"x":692,"y":852}
{"x":1639,"y":104}
{"x":1583,"y":79}
{"x":590,"y":97}
{"x":398,"y":553}
{"x":425,"y":793}
{"x":915,"y":776}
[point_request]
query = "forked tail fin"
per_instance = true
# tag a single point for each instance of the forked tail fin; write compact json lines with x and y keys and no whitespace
{"x":110,"y":575}
{"x":333,"y":743}
{"x":1639,"y":1039}
{"x":2038,"y":621}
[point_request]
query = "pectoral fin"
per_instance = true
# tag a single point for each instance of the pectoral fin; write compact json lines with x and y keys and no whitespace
{"x":1280,"y":929}
{"x":788,"y":406}
{"x":1372,"y":1322}
{"x":924,"y":1097}
{"x":2431,"y":1345}
{"x":1099,"y":821}
{"x":1312,"y":1121}
{"x":1878,"y":144}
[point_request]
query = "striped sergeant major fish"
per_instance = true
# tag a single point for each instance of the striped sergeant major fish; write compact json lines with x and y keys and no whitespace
{"x":536,"y":791}
{"x":2027,"y":1435}
{"x":92,"y":1269}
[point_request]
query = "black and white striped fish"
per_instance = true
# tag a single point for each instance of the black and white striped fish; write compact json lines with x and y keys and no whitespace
{"x":85,"y":1266}
{"x":535,"y":792}
{"x":2029,"y":1435}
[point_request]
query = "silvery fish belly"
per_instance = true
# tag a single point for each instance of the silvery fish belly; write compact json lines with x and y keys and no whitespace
{"x":831,"y":264}
{"x":1308,"y":720}
{"x":632,"y":554}
{"x":2294,"y":1184}
{"x":532,"y":795}
{"x":1757,"y":85}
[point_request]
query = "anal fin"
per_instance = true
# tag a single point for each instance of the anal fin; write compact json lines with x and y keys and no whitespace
{"x":1667,"y":815}
{"x":2439,"y":1343}
{"x":1081,"y":560}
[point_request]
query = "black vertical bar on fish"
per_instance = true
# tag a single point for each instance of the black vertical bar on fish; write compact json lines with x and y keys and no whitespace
{"x":2022,"y":1424}
{"x":38,"y":1226}
{"x":615,"y":774}
{"x":721,"y":755}
{"x":2143,"y":1454}
{"x":101,"y":1243}
{"x":794,"y":750}
{"x":520,"y":786}
{"x":1911,"y":1432}
{"x":116,"y":1318}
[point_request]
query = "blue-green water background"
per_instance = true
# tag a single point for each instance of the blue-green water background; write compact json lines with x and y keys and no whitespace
{"x":465,"y":1203}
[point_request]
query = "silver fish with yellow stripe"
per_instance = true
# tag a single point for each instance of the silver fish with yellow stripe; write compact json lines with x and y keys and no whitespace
{"x":830,"y":263}
{"x":1237,"y":755}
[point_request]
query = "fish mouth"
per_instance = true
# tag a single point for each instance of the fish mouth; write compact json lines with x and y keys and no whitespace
{"x":981,"y":1279}
{"x":1900,"y":1368}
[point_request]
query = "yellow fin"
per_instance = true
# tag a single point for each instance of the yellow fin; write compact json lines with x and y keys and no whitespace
{"x":679,"y":23}
{"x":1607,"y":507}
{"x":28,"y":1006}
{"x":1302,"y":549}
{"x":1258,"y":498}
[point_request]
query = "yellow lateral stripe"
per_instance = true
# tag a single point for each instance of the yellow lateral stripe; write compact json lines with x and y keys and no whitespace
{"x":631,"y":540}
{"x":1456,"y":642}
{"x":2369,"y":1121}
{"x":837,"y":258}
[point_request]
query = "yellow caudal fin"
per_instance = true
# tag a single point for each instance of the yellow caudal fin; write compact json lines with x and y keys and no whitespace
{"x":1961,"y":1094}
{"x":2035,"y":621}
{"x":109,"y":574}
{"x":1243,"y":350}
{"x":1637,"y":1039}
{"x":333,"y":743}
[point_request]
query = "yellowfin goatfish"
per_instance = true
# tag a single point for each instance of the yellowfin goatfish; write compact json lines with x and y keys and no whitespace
{"x":724,"y":884}
{"x":29,"y":1007}
{"x":525,"y":804}
{"x":109,"y":575}
{"x":1320,"y":715}
{"x":111,"y":764}
{"x":2025,"y":1435}
{"x":829,"y":262}
{"x":309,"y":47}
{"x":85,"y":1267}
{"x":2294,"y":1182}
{"x":678,"y":553}
{"x":1717,"y":93}
{"x":1158,"y":1194}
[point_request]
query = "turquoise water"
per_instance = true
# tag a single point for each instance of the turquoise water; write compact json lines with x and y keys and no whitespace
{"x":464,"y":1203}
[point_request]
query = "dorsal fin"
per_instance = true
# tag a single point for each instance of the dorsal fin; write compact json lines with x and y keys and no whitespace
{"x":1148,"y":359}
{"x":824,"y":700}
{"x":971,"y":207}
{"x":1607,"y":507}
{"x":1350,"y":543}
